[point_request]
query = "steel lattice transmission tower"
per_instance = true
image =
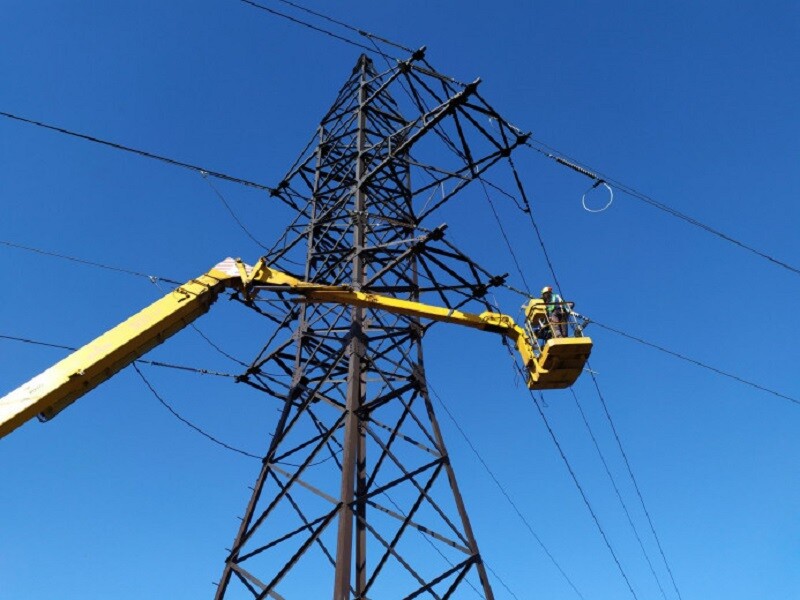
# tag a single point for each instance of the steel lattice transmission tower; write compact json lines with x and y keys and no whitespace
{"x":356,"y":496}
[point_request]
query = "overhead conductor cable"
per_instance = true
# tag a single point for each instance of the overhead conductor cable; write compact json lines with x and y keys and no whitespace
{"x":552,"y":154}
{"x":527,"y":208}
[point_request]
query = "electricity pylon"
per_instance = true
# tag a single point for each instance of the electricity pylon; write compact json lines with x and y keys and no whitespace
{"x":356,"y":496}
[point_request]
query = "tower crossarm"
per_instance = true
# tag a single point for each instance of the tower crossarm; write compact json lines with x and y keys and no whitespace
{"x":550,"y":363}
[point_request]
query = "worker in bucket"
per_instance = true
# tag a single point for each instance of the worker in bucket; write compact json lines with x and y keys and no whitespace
{"x":557,"y":312}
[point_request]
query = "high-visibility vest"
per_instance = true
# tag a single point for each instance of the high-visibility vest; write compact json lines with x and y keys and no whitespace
{"x":553,"y":304}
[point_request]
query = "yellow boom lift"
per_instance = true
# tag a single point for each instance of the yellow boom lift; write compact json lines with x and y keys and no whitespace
{"x":550,"y":363}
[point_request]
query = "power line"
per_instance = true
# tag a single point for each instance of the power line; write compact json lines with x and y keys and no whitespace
{"x":152,"y":389}
{"x":216,"y":347}
{"x":188,"y":423}
{"x":233,"y":214}
{"x":547,"y":424}
{"x":675,"y":354}
{"x":550,"y":152}
{"x":90,"y":263}
{"x":152,"y":278}
{"x":617,"y":492}
{"x":210,"y":342}
{"x":635,"y":484}
{"x":586,"y":172}
{"x":506,"y":494}
{"x":593,"y":174}
{"x":146,"y":154}
{"x":503,"y":583}
{"x":523,"y":195}
{"x":316,"y":28}
{"x":543,"y":148}
{"x":527,"y":209}
{"x":696,"y":362}
{"x":370,"y":36}
{"x":505,"y":236}
{"x":616,"y":435}
{"x":578,"y":486}
{"x":613,"y":427}
{"x":154,"y":363}
{"x":222,"y":176}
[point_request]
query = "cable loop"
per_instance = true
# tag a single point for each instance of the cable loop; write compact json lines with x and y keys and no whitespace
{"x":610,"y":197}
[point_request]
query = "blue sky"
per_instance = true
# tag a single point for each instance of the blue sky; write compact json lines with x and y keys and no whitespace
{"x":694,"y":104}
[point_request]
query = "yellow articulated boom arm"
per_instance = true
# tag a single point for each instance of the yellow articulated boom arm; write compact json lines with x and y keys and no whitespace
{"x":86,"y":368}
{"x":555,"y":364}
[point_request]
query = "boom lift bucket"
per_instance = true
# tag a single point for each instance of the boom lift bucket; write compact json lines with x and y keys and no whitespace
{"x":559,"y":346}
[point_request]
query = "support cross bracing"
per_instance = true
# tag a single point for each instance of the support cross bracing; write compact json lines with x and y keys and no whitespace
{"x":356,"y":496}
